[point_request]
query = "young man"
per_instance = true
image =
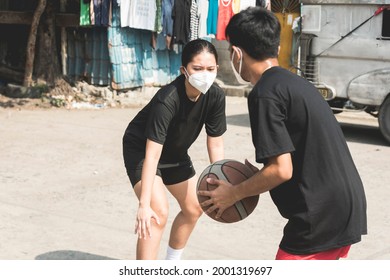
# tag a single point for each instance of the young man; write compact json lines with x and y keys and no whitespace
{"x":308,"y":168}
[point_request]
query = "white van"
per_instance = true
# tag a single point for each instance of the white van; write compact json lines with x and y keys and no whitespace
{"x":344,"y":50}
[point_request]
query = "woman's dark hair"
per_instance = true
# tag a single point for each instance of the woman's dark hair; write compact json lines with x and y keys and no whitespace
{"x":194,"y":48}
{"x":257,"y":31}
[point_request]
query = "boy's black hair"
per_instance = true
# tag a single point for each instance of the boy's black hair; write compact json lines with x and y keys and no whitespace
{"x":257,"y":31}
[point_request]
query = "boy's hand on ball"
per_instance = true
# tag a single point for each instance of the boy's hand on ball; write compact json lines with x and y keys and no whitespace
{"x":221,"y":198}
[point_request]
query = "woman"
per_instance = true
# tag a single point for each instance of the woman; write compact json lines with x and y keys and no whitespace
{"x":156,"y":143}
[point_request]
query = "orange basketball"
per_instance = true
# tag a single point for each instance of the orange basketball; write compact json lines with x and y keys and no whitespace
{"x":234,"y":172}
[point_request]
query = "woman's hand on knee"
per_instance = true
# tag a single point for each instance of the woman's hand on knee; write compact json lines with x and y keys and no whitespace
{"x":143,"y":222}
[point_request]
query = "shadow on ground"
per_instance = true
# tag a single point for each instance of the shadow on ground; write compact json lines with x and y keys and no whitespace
{"x":363,"y":134}
{"x":70,"y":255}
{"x":239,"y":120}
{"x":359,"y":133}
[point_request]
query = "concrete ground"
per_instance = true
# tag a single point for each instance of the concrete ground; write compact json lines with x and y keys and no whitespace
{"x":64,"y":193}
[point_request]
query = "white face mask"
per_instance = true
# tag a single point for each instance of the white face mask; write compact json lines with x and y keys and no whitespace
{"x":238,"y":74}
{"x":202,"y":81}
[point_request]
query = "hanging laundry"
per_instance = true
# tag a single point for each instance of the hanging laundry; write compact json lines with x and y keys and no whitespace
{"x":212,"y":17}
{"x":225,"y":12}
{"x":84,"y":12}
{"x":101,"y":11}
{"x":124,"y":8}
{"x":157,"y":25}
{"x":91,"y":12}
{"x":194,"y":20}
{"x":134,"y":63}
{"x":203,"y":9}
{"x":158,"y":20}
{"x":181,"y":21}
{"x":167,"y":21}
{"x":139,"y":14}
{"x":236,"y":6}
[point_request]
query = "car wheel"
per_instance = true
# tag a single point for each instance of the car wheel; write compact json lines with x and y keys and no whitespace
{"x":384,"y":119}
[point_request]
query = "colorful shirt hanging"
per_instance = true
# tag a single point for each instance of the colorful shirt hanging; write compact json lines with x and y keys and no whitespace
{"x":84,"y":12}
{"x":212,"y":17}
{"x":225,"y":12}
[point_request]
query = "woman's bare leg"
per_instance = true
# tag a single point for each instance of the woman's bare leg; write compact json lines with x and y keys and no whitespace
{"x":148,"y":248}
{"x":185,"y":221}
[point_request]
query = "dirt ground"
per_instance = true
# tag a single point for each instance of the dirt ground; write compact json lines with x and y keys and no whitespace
{"x":65,"y":193}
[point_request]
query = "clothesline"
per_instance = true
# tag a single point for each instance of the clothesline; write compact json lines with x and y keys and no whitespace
{"x":178,"y":21}
{"x":144,"y":38}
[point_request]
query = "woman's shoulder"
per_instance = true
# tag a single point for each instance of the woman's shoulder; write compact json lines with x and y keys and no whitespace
{"x":217,"y":91}
{"x":169,"y":94}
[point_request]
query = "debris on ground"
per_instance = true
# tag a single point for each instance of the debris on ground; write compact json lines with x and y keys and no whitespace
{"x":81,"y":95}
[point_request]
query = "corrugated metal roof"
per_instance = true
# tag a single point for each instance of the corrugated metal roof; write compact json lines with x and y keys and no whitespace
{"x":88,"y":57}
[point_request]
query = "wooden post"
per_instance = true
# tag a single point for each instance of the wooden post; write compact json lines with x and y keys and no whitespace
{"x":30,"y":52}
{"x":63,"y":42}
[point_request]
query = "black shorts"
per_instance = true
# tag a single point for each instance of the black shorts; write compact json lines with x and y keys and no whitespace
{"x":170,"y":173}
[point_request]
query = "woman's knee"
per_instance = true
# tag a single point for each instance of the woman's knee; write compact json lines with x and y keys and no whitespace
{"x":192,"y":212}
{"x":162,"y":214}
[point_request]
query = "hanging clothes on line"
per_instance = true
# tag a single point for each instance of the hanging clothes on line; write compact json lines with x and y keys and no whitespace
{"x":225,"y":12}
{"x":158,"y":20}
{"x":181,"y":14}
{"x":145,"y":37}
{"x":236,"y":6}
{"x":101,"y":10}
{"x":203,"y":9}
{"x":140,"y":14}
{"x":180,"y":21}
{"x":134,"y":63}
{"x":212,"y":17}
{"x":95,"y":12}
{"x":85,"y":12}
{"x":194,"y":20}
{"x":167,"y":22}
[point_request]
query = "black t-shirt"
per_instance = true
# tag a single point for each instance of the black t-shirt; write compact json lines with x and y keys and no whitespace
{"x":324,"y":201}
{"x":174,"y":121}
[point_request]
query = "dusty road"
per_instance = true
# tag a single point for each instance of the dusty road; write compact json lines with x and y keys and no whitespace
{"x":64,"y":193}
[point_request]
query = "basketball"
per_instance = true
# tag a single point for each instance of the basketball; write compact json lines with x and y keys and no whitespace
{"x":234,"y":172}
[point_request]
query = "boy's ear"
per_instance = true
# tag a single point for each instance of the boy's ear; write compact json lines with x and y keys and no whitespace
{"x":237,"y":53}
